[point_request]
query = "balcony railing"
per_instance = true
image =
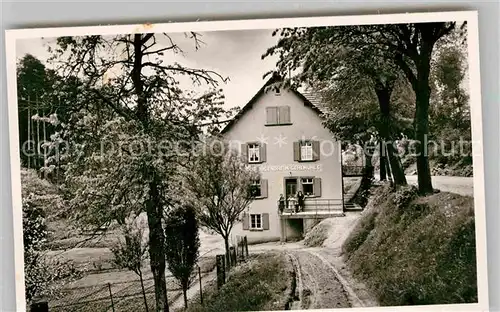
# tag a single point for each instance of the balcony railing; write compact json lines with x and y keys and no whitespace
{"x":315,"y":206}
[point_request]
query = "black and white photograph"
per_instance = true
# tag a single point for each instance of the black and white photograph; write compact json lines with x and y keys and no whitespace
{"x":253,"y":165}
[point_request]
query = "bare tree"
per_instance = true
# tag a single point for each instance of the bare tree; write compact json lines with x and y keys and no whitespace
{"x":219,"y":185}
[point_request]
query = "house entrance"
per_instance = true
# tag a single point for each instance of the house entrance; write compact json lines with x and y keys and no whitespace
{"x":290,"y":188}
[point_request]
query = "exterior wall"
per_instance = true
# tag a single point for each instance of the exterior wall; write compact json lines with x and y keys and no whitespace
{"x":305,"y":124}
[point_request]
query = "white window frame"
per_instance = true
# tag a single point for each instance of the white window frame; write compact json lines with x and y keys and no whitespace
{"x":306,"y":151}
{"x":255,"y":148}
{"x":257,"y":183}
{"x":251,"y":224}
{"x":310,"y":181}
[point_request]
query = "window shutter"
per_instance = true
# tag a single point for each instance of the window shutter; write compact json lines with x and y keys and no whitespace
{"x":272,"y":115}
{"x":316,"y":151}
{"x":263,"y":152}
{"x":265,"y":221}
{"x":244,"y":152}
{"x":284,"y":114}
{"x":317,"y":186}
{"x":246,"y":221}
{"x":263,"y":188}
{"x":296,"y":151}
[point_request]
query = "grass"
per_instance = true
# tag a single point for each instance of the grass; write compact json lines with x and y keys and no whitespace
{"x":413,"y":250}
{"x":264,"y":283}
{"x":318,"y":234}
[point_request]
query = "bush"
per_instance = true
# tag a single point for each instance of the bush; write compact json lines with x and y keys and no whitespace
{"x":422,"y":254}
{"x":263,"y":284}
{"x":405,"y":195}
{"x":318,"y":234}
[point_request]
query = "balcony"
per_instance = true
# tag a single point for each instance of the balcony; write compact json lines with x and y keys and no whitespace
{"x":315,"y":208}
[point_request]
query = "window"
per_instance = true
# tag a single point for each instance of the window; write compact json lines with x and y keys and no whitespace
{"x":255,"y":221}
{"x":308,"y":186}
{"x":278,"y":115}
{"x":306,"y":151}
{"x":277,"y":91}
{"x":253,"y":153}
{"x":256,"y":189}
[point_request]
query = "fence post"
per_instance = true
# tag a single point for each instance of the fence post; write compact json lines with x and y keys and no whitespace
{"x":221,"y":270}
{"x":246,"y":245}
{"x":201,"y":287}
{"x":111,"y":297}
{"x":40,"y":307}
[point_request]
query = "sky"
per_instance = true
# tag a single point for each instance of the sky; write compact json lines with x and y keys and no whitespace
{"x":235,"y":54}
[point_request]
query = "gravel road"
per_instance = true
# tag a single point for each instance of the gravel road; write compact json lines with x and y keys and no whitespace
{"x":458,"y":185}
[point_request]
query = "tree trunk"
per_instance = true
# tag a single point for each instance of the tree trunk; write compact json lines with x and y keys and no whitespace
{"x":383,"y":173}
{"x":368,"y":170}
{"x":421,"y":133}
{"x":226,"y":245}
{"x":422,"y":93}
{"x":384,"y":91}
{"x":184,"y":293}
{"x":154,"y":212}
{"x":397,"y":171}
{"x":388,"y":167}
{"x":154,"y":206}
{"x":143,"y":291}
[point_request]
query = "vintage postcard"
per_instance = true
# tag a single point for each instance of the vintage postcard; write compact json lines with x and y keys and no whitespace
{"x":251,"y":165}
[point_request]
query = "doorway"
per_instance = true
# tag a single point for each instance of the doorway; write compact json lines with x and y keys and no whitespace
{"x":290,"y":188}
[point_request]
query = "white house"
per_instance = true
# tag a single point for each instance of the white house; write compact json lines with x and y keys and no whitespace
{"x":280,"y":132}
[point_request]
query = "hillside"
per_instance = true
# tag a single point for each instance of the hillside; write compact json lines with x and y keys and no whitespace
{"x":415,"y":250}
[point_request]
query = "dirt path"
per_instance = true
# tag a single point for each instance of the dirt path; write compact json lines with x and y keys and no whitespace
{"x":319,"y":287}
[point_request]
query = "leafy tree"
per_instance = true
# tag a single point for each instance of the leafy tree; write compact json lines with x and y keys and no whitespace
{"x":144,"y":119}
{"x":182,"y":245}
{"x":41,"y":272}
{"x":41,"y":93}
{"x":218,"y":184}
{"x":356,"y":83}
{"x":130,"y":254}
{"x":410,"y":48}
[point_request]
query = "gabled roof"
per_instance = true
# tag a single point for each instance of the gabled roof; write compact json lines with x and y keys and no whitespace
{"x":310,"y":99}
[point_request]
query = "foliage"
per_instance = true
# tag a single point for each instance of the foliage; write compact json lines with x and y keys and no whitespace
{"x":262,"y":284}
{"x":41,"y":93}
{"x":131,"y":251}
{"x":217,"y":184}
{"x":43,"y":276}
{"x":404,"y":196}
{"x":182,"y":245}
{"x":423,"y":254}
{"x":137,"y":102}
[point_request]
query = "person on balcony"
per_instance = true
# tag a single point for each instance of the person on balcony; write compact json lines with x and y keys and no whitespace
{"x":292,"y":203}
{"x":281,"y":204}
{"x":300,"y":201}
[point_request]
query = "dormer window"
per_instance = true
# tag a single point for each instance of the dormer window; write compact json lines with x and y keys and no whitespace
{"x":277,"y":91}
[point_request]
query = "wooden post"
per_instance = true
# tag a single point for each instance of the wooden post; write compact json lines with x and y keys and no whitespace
{"x":111,"y":297}
{"x":40,"y":307}
{"x":246,"y":245}
{"x":232,"y":256}
{"x":221,"y":270}
{"x":201,"y":287}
